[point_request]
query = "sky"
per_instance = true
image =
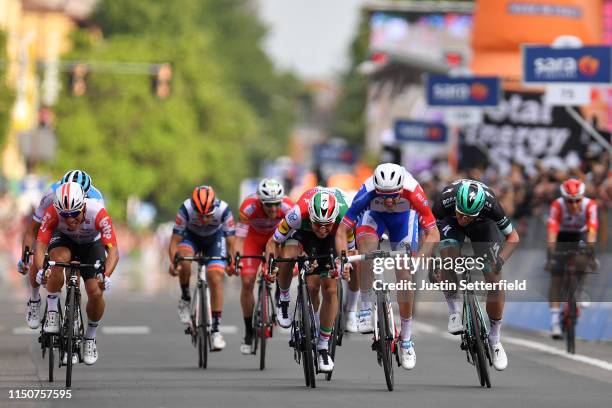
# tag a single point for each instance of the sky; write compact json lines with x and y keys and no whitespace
{"x":311,"y":37}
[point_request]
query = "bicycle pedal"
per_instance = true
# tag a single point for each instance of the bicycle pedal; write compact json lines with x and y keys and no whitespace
{"x":188,"y":330}
{"x":291,"y":343}
{"x":375,"y":345}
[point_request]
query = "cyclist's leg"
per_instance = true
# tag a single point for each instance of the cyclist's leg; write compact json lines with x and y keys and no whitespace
{"x":369,"y":231}
{"x":215,"y":273}
{"x":90,"y":253}
{"x":487,"y":241}
{"x":189,"y":246}
{"x":60,"y":249}
{"x":450,"y":248}
{"x":290,"y":249}
{"x":253,"y":245}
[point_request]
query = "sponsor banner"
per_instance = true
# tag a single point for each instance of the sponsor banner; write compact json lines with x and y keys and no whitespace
{"x":524,"y":130}
{"x":585,"y":65}
{"x":442,"y":90}
{"x":418,"y":131}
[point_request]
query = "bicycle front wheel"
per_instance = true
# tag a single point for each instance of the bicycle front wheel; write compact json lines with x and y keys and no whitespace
{"x":385,"y":337}
{"x":70,"y":313}
{"x":478,"y":352}
{"x":570,"y":326}
{"x":308,"y":351}
{"x":51,"y":359}
{"x":263,"y":324}
{"x":202,"y":328}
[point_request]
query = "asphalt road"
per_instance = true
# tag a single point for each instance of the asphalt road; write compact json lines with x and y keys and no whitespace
{"x":146,"y":361}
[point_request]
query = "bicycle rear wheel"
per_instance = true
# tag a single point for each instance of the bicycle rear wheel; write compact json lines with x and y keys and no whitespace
{"x":308,"y":352}
{"x":70,"y":313}
{"x":385,"y":338}
{"x":478,"y":351}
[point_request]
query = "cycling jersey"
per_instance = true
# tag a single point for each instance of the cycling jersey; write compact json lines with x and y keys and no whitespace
{"x":561,"y":220}
{"x":412,"y":197}
{"x":96,"y":225}
{"x":492,"y":210}
{"x":253,"y":219}
{"x":189,"y":220}
{"x":47,"y":200}
{"x":299,"y":219}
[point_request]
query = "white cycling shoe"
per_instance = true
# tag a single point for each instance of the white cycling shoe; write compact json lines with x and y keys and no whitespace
{"x":75,"y":359}
{"x":326,"y":364}
{"x":351,"y":324}
{"x":217,"y":341}
{"x":555,"y":331}
{"x":365,"y":321}
{"x":183,"y":311}
{"x":246,"y":347}
{"x":90,"y":351}
{"x":500,"y":360}
{"x":455,"y":325}
{"x":282,"y":314}
{"x":33,"y":317}
{"x":51,"y":323}
{"x":407,"y":354}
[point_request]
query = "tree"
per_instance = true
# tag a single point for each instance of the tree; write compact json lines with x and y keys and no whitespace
{"x":133,"y":143}
{"x":6,"y":97}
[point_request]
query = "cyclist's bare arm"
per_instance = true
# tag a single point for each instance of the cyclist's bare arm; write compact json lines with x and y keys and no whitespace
{"x":39,"y":254}
{"x":231,"y":244}
{"x":173,"y":247}
{"x":510,"y":245}
{"x":112,"y":258}
{"x":30,"y":235}
{"x":341,"y":238}
{"x":430,"y":238}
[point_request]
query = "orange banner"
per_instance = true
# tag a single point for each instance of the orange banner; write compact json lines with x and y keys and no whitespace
{"x":501,"y":26}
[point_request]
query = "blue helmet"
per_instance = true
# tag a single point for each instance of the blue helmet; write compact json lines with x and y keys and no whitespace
{"x":80,"y":177}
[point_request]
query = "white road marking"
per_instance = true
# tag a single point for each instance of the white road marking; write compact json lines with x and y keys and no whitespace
{"x":517,"y":341}
{"x":25,"y":330}
{"x":125,"y":329}
{"x":228,"y":329}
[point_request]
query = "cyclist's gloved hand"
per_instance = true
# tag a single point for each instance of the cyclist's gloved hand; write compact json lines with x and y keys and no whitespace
{"x":105,"y":281}
{"x":231,"y":269}
{"x":499,"y":263}
{"x":22,"y":267}
{"x":41,"y":277}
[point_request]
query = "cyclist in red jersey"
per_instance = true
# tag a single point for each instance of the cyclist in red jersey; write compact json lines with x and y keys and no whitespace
{"x":76,"y":227}
{"x":259,"y":214}
{"x":572,"y":219}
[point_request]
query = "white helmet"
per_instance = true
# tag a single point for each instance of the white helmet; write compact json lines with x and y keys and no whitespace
{"x":388,"y":178}
{"x":270,"y":191}
{"x":69,"y":198}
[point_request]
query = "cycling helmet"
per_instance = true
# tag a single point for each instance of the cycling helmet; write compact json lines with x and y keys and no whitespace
{"x":572,"y":189}
{"x":203,"y":199}
{"x":270,"y":191}
{"x":471,"y":198}
{"x":388,"y":178}
{"x":69,"y":199}
{"x":78,"y":176}
{"x":323,"y":207}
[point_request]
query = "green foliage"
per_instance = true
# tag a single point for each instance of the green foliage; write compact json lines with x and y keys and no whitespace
{"x":349,"y":116}
{"x":6,"y":96}
{"x":222,"y":118}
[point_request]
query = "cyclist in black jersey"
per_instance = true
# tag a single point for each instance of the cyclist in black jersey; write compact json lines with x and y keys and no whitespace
{"x":468,"y":208}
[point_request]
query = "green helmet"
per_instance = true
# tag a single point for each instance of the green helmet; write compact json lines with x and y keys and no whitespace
{"x":323,"y":207}
{"x":470,"y":198}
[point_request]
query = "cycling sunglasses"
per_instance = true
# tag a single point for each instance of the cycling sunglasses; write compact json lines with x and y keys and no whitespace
{"x":70,"y":214}
{"x":270,"y":205}
{"x":573,"y":200}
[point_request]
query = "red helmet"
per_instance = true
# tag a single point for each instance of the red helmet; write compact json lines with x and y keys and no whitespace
{"x":203,"y":199}
{"x":572,"y":189}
